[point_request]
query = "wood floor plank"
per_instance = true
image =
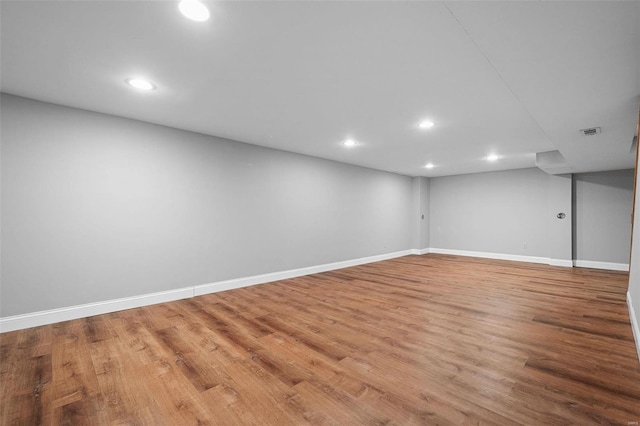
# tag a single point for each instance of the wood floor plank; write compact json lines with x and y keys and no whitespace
{"x":177,"y":401}
{"x":430,"y":339}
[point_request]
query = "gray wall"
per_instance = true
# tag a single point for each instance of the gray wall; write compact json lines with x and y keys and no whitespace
{"x":558,"y":202}
{"x":496,"y":212}
{"x":500,"y":212}
{"x":96,"y":207}
{"x":420,"y":213}
{"x":602,"y":208}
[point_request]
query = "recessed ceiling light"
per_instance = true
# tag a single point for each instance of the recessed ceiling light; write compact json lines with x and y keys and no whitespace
{"x":429,"y":166}
{"x":140,"y":83}
{"x":349,"y":143}
{"x":426,"y":124}
{"x":194,"y":10}
{"x":492,"y":157}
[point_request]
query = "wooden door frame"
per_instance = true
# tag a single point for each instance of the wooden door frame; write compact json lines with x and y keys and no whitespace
{"x":635,"y":183}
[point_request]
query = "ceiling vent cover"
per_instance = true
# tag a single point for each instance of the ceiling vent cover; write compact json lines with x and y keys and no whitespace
{"x":591,"y":131}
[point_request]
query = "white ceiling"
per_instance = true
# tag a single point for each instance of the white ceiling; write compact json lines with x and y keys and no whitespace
{"x":512,"y":78}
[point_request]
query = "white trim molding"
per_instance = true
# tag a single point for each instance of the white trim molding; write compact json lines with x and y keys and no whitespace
{"x":565,"y":263}
{"x":292,"y":273}
{"x":601,"y":265}
{"x":35,"y":319}
{"x":498,"y":256}
{"x":19,"y":322}
{"x":635,"y":324}
{"x":421,"y":251}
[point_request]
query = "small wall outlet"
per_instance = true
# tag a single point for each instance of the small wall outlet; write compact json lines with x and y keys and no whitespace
{"x":525,"y":245}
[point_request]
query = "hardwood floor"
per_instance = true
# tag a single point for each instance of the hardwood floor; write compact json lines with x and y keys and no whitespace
{"x":427,"y":339}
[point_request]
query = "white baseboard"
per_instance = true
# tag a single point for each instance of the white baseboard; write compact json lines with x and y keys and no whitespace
{"x":35,"y":319}
{"x":292,"y":273}
{"x":498,"y":256}
{"x":601,"y":265}
{"x":565,"y":263}
{"x":19,"y":322}
{"x":421,"y":251}
{"x":635,"y":325}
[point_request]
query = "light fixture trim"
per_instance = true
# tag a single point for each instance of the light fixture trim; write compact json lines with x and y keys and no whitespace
{"x":141,"y":84}
{"x":194,"y":10}
{"x":493,"y":157}
{"x":429,"y":166}
{"x":349,"y":143}
{"x":426,"y":124}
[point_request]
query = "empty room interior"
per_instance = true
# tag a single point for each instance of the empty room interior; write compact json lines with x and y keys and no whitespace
{"x":319,"y":212}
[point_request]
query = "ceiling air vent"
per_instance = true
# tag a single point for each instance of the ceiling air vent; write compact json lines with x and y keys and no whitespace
{"x":591,"y":131}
